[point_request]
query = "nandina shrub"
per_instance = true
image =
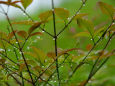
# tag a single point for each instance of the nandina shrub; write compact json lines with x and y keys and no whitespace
{"x":24,"y":62}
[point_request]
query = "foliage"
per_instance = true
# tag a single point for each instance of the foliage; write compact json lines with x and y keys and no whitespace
{"x":24,"y":64}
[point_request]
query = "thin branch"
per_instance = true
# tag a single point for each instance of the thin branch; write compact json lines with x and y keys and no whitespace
{"x":71,"y":19}
{"x":33,"y":21}
{"x":82,"y":62}
{"x":18,"y":44}
{"x":56,"y":53}
{"x":91,"y":73}
{"x":55,"y":70}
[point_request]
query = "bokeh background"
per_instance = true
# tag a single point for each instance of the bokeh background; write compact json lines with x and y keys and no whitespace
{"x":106,"y":76}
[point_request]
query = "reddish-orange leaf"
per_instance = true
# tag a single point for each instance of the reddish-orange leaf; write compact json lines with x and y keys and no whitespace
{"x":11,"y":35}
{"x":35,"y":26}
{"x":36,"y":33}
{"x":83,"y":83}
{"x":11,"y":3}
{"x":89,"y":46}
{"x":22,"y":66}
{"x":22,"y":33}
{"x":52,"y":54}
{"x":2,"y":61}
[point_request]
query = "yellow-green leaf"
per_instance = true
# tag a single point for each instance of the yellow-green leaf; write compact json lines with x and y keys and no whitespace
{"x":82,"y":34}
{"x":26,"y":22}
{"x":26,"y":3}
{"x":84,"y":23}
{"x":41,"y":55}
{"x":80,"y":15}
{"x":106,"y":8}
{"x":62,"y":13}
{"x":44,"y":16}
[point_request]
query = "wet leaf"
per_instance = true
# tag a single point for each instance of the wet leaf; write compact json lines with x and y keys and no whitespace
{"x":34,"y":27}
{"x":82,"y":34}
{"x":22,"y":67}
{"x":36,"y":33}
{"x":62,"y":13}
{"x":11,"y":3}
{"x":41,"y":55}
{"x":45,"y":15}
{"x":22,"y":33}
{"x":2,"y":61}
{"x":80,"y":15}
{"x":106,"y":8}
{"x":12,"y":34}
{"x":26,"y":22}
{"x":84,"y":23}
{"x":26,"y":3}
{"x":89,"y":46}
{"x":52,"y":54}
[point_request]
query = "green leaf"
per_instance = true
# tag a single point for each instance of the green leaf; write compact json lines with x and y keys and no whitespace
{"x":106,"y":8}
{"x":26,"y":3}
{"x":62,"y":13}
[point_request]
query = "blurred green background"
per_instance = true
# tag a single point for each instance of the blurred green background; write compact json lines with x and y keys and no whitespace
{"x":106,"y":76}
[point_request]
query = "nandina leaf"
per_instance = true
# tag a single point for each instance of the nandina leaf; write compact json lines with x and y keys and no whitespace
{"x":22,"y":67}
{"x":34,"y":27}
{"x":22,"y":33}
{"x":37,"y":68}
{"x":83,"y":83}
{"x":82,"y":34}
{"x":2,"y":61}
{"x":12,"y":34}
{"x":112,"y":28}
{"x":80,"y":15}
{"x":68,"y":50}
{"x":84,"y":23}
{"x":31,"y":54}
{"x":53,"y":55}
{"x":99,"y":31}
{"x":13,"y":41}
{"x":44,"y":16}
{"x":26,"y":3}
{"x":41,"y":55}
{"x":26,"y":22}
{"x":11,"y":3}
{"x":106,"y":8}
{"x":36,"y":33}
{"x":89,"y":46}
{"x":3,"y":35}
{"x":62,"y":13}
